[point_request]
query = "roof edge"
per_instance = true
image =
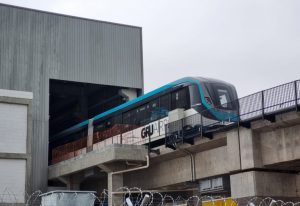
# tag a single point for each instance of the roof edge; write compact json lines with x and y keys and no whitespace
{"x":70,"y":16}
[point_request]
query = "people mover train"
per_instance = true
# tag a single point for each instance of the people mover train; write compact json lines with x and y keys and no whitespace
{"x":146,"y":116}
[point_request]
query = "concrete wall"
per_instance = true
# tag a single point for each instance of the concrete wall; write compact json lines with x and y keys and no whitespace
{"x":208,"y":163}
{"x":15,"y":145}
{"x":280,"y":145}
{"x":37,"y":46}
{"x":264,"y":184}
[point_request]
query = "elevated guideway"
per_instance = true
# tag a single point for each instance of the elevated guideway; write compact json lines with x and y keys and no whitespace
{"x":255,"y":153}
{"x":104,"y":159}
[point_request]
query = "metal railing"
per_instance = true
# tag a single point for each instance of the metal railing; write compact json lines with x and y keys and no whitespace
{"x":261,"y":105}
{"x":270,"y":101}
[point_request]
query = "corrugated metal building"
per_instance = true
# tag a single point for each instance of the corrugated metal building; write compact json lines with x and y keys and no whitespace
{"x":37,"y":46}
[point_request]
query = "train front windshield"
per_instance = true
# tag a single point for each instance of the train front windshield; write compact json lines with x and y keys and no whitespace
{"x":223,"y":95}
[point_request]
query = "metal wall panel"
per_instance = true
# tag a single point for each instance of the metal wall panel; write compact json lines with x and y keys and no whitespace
{"x":36,"y":46}
{"x":12,"y":180}
{"x":13,"y":128}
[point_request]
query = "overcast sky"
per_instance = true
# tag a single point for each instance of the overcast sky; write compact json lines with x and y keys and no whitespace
{"x":254,"y":44}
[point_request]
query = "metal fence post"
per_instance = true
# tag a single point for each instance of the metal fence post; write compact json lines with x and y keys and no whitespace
{"x":296,"y":95}
{"x":262,"y":104}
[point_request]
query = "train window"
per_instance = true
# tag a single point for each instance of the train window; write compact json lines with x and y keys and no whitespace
{"x":100,"y":126}
{"x":194,"y":96}
{"x":223,"y":97}
{"x":142,"y":113}
{"x":164,"y":105}
{"x":126,"y":118}
{"x":108,"y":123}
{"x":117,"y":119}
{"x":115,"y":125}
{"x":129,"y":120}
{"x":154,"y":110}
{"x":129,"y":117}
{"x":147,"y":112}
{"x":180,"y":99}
{"x":107,"y":128}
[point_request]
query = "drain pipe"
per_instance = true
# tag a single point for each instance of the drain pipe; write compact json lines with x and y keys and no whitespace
{"x":111,"y":193}
{"x":193,"y":170}
{"x":133,"y":169}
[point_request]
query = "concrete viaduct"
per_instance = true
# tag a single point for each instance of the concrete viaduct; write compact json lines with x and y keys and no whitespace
{"x":262,"y":159}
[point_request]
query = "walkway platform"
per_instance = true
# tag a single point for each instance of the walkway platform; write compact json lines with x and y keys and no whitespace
{"x":99,"y":158}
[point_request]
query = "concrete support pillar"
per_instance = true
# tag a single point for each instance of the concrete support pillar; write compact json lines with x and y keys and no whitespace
{"x":114,"y":181}
{"x":90,"y":136}
{"x":250,"y":149}
{"x":72,"y":181}
{"x":298,"y":185}
{"x":129,"y":94}
{"x":265,"y":184}
{"x":233,"y":150}
{"x":243,"y":149}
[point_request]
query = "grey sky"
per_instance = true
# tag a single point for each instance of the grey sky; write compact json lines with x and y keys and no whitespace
{"x":254,"y":44}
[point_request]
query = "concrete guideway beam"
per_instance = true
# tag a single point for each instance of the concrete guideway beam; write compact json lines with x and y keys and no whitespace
{"x":265,"y":184}
{"x":282,"y":120}
{"x":110,"y":154}
{"x":281,"y":147}
{"x":178,"y":170}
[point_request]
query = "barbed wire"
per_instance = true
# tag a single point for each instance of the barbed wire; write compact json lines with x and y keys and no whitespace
{"x":134,"y":196}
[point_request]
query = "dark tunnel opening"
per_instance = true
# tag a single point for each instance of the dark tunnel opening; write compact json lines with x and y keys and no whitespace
{"x":73,"y":102}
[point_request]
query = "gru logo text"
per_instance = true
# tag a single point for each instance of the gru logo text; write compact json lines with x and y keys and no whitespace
{"x":147,"y":131}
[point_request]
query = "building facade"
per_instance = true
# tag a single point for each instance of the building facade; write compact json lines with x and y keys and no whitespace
{"x":37,"y":47}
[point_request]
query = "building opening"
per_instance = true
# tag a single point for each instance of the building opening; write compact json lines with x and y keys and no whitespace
{"x":74,"y":102}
